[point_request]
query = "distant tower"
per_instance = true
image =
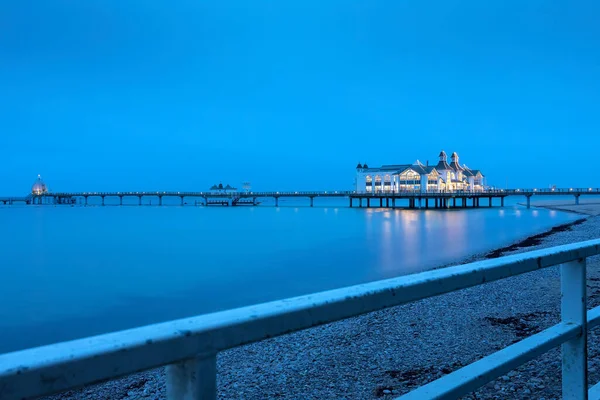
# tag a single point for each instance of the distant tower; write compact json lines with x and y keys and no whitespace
{"x":443,"y":156}
{"x":359,"y":167}
{"x":443,"y":164}
{"x":39,"y":187}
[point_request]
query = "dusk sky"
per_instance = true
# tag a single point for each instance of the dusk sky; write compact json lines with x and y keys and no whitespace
{"x":291,"y":95}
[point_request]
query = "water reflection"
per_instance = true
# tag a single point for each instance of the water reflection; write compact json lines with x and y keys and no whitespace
{"x":187,"y":261}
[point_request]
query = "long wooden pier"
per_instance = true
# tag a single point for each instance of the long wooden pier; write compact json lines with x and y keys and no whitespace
{"x":405,"y":199}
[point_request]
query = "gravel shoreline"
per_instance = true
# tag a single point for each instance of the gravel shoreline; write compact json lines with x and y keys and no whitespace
{"x":384,"y":354}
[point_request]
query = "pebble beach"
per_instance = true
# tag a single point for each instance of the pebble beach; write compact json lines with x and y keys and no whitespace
{"x":385,"y":354}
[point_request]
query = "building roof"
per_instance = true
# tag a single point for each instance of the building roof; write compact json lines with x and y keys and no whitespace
{"x":455,"y":165}
{"x":359,"y":166}
{"x":443,"y":165}
{"x":423,"y":169}
{"x":468,"y":172}
{"x":39,"y":186}
{"x":394,"y":167}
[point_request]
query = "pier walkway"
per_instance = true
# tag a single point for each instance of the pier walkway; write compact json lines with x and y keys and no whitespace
{"x":404,"y":199}
{"x":12,"y":200}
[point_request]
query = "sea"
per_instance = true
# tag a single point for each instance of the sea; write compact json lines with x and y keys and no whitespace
{"x":73,"y":271}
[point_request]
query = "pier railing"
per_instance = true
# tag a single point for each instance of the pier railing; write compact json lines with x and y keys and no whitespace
{"x":334,"y":193}
{"x":188,"y":347}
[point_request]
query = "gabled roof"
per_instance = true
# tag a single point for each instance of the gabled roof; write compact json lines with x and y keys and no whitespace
{"x":424,"y":169}
{"x":467,"y":171}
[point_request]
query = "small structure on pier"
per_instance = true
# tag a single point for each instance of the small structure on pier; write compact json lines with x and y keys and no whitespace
{"x":417,"y":177}
{"x":222,"y":189}
{"x":39,"y":187}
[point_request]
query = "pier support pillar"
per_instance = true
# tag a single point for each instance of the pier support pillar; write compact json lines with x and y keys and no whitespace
{"x":140,"y":200}
{"x":501,"y":201}
{"x":350,"y":202}
{"x":454,"y":202}
{"x":490,"y":201}
{"x":368,"y":202}
{"x":181,"y":197}
{"x":276,"y":201}
{"x":86,"y":200}
{"x":528,"y":201}
{"x":160,"y":200}
{"x":380,"y":202}
{"x":312,"y":201}
{"x":447,"y":203}
{"x":360,"y":202}
{"x":102,"y":200}
{"x":393,"y":202}
{"x":120,"y":200}
{"x":577,"y":199}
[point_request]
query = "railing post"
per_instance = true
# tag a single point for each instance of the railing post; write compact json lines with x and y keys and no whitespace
{"x":574,"y":310}
{"x":194,"y":379}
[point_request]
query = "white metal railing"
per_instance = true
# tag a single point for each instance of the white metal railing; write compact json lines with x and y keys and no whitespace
{"x":188,"y":347}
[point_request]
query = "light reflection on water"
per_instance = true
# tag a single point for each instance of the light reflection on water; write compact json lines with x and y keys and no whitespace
{"x":72,"y":272}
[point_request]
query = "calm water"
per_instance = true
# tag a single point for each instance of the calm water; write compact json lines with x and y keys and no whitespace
{"x":68,"y":272}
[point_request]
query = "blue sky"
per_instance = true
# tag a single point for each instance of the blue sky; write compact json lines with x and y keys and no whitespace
{"x":141,"y":95}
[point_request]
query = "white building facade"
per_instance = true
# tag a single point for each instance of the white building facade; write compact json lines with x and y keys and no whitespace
{"x":418,"y":177}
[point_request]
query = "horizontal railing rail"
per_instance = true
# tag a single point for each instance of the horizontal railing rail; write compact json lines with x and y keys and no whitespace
{"x":334,"y":193}
{"x":188,"y":347}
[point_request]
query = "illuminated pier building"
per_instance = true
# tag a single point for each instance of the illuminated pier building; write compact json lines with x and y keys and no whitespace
{"x":418,"y":177}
